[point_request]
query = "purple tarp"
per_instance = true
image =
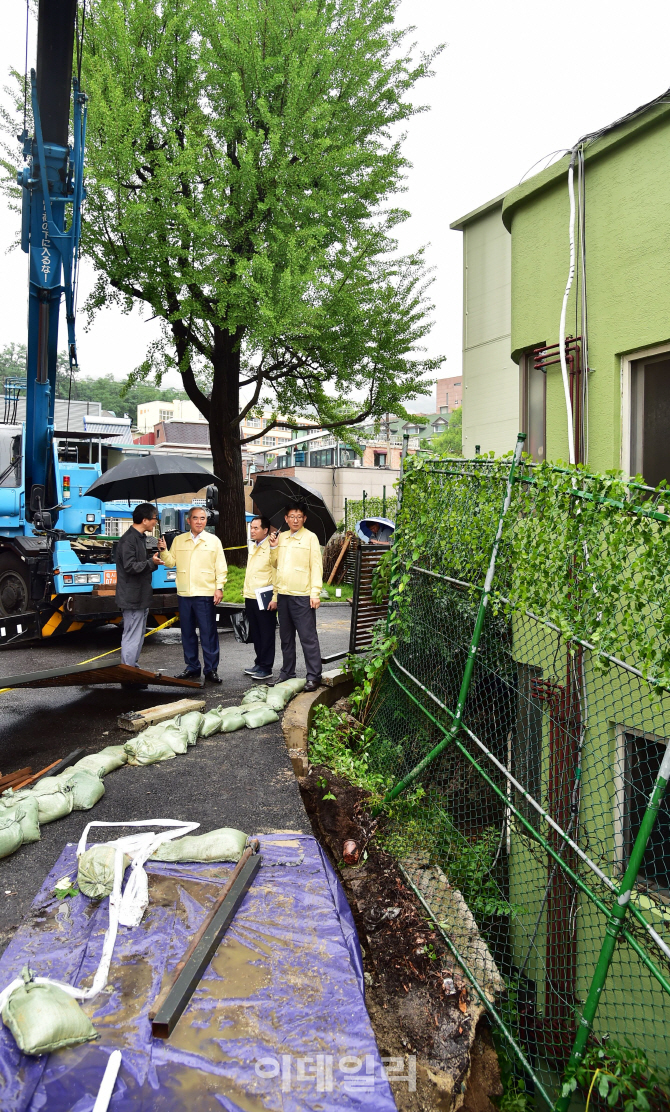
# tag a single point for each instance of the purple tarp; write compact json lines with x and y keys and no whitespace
{"x":278,"y":1021}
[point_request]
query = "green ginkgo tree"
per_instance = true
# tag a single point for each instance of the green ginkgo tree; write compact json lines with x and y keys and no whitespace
{"x":243,"y":164}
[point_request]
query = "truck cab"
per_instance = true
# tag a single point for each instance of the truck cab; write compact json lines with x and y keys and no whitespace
{"x":55,"y":580}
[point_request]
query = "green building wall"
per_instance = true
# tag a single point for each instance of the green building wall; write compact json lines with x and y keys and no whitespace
{"x":633,"y":1006}
{"x":627,"y":268}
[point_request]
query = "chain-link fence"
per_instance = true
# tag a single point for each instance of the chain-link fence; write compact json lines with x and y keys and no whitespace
{"x":522,"y":815}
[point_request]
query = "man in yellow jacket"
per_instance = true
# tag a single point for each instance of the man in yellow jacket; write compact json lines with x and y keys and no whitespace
{"x":260,"y":599}
{"x":201,"y":574}
{"x":296,"y":554}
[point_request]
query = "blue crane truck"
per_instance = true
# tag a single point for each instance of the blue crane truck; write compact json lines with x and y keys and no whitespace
{"x":57,"y":569}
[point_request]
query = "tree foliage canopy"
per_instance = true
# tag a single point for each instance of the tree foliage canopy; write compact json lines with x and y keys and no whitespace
{"x":242,"y":161}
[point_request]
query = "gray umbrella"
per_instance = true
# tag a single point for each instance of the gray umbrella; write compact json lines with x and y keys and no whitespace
{"x":150,"y":477}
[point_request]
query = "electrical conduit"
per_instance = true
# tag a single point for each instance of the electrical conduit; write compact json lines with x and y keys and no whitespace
{"x":564,"y":310}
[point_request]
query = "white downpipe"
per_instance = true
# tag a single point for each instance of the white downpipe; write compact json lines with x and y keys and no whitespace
{"x":564,"y":310}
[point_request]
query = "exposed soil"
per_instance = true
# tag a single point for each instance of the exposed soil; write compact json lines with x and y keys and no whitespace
{"x":418,"y":999}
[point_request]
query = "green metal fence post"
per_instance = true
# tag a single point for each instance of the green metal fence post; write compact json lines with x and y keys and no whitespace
{"x":613,"y":929}
{"x":474,"y":643}
{"x":384,"y":501}
{"x":365,"y":494}
{"x":346,"y":514}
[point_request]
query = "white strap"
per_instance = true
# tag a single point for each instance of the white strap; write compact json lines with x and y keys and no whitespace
{"x":108,"y":1082}
{"x":126,"y":910}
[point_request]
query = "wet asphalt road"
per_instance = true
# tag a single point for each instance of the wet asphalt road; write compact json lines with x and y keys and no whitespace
{"x":244,"y":779}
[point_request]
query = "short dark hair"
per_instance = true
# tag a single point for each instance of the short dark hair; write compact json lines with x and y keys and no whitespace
{"x":300,"y":506}
{"x":265,"y":521}
{"x":144,"y":512}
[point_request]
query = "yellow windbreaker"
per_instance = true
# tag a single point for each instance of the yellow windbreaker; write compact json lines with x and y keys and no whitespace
{"x":297,"y":559}
{"x":260,"y":572}
{"x":201,"y":568}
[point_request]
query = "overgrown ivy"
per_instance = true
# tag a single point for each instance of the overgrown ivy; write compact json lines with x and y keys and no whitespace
{"x":586,"y":551}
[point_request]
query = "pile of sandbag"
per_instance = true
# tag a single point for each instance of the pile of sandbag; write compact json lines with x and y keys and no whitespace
{"x":80,"y":787}
{"x":45,"y":1015}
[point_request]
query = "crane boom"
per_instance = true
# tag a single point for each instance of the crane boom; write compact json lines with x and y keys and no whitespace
{"x":57,"y":565}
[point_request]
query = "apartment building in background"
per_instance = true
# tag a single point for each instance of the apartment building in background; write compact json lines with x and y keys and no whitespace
{"x":449,"y":394}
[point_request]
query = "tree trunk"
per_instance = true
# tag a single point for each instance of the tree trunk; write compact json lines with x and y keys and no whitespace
{"x":224,"y":434}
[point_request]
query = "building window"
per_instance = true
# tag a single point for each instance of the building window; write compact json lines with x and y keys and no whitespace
{"x":253,"y":422}
{"x":649,"y":418}
{"x":379,"y":459}
{"x":282,"y":461}
{"x":413,"y":430}
{"x":347,"y":455}
{"x":165,"y":414}
{"x":270,"y":441}
{"x":524,"y":756}
{"x":533,"y":407}
{"x":323,"y":458}
{"x":638,"y":763}
{"x":445,"y":408}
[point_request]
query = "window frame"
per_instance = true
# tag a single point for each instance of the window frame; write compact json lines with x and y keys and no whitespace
{"x":627,"y":362}
{"x":525,"y":365}
{"x":621,"y":815}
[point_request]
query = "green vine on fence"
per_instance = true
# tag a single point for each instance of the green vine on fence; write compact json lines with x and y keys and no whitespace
{"x":586,"y":551}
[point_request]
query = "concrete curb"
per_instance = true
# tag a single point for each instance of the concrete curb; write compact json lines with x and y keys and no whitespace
{"x":297,"y":717}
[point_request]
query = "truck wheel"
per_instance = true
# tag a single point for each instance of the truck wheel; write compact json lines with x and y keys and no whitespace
{"x":14,"y":587}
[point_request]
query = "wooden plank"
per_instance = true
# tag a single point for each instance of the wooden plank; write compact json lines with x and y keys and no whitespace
{"x":347,"y":542}
{"x":12,"y":778}
{"x":96,"y":673}
{"x":139,"y":720}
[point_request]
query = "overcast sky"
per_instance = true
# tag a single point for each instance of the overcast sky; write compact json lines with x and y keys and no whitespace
{"x":515,"y":82}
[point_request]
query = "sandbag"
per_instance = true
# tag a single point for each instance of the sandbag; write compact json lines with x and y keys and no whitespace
{"x":278,"y":697}
{"x":225,"y":844}
{"x":55,"y":799}
{"x":211,"y":723}
{"x":24,"y":807}
{"x":107,"y":760}
{"x":259,"y":714}
{"x":95,"y":871}
{"x":87,"y":787}
{"x":234,"y":720}
{"x":148,"y":748}
{"x":255,"y":694}
{"x":176,"y":737}
{"x":296,"y":685}
{"x":43,"y":1018}
{"x":191,"y":722}
{"x":11,"y":834}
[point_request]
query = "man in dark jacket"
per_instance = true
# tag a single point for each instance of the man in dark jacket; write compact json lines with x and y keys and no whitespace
{"x":133,"y":581}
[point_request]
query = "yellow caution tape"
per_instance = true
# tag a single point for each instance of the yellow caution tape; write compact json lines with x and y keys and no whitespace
{"x":234,"y":546}
{"x":169,"y":622}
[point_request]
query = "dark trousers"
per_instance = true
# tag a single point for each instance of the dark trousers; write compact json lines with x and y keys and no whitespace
{"x":296,"y":616}
{"x":196,"y":612}
{"x":262,"y":624}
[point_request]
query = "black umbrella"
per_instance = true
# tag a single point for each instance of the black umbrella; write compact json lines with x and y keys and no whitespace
{"x":150,"y":477}
{"x":271,"y":494}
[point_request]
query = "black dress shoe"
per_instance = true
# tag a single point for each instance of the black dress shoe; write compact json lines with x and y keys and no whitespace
{"x":212,"y":677}
{"x":186,"y":675}
{"x":312,"y":685}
